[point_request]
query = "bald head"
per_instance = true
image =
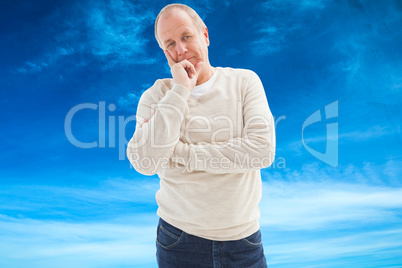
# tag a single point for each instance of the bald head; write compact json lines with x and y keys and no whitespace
{"x":167,"y":11}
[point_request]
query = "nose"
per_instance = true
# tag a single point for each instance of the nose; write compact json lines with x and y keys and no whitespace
{"x":181,"y":49}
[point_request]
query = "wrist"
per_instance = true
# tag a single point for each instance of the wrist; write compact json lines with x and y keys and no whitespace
{"x":189,"y":87}
{"x":181,"y":90}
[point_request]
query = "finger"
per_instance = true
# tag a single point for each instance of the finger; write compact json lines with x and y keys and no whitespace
{"x":198,"y":66}
{"x":169,"y":58}
{"x":196,"y":70}
{"x":193,"y":72}
{"x":188,"y":66}
{"x":190,"y":74}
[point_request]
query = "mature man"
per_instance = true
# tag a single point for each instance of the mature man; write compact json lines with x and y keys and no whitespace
{"x":206,"y":133}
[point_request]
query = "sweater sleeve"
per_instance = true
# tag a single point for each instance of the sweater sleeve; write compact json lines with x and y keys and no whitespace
{"x":255,"y":149}
{"x":157,"y":128}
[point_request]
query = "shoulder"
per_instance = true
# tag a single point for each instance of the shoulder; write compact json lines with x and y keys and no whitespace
{"x":157,"y":90}
{"x":238,"y":72}
{"x":160,"y":85}
{"x":247,"y":80}
{"x":242,"y":77}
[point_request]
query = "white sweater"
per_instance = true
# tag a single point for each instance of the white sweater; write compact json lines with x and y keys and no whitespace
{"x":207,"y":152}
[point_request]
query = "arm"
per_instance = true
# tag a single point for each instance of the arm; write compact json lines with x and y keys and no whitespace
{"x":157,"y":129}
{"x":158,"y":123}
{"x":254,"y":150}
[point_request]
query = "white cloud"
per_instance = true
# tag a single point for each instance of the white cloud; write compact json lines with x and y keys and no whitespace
{"x":323,"y":205}
{"x":130,"y":101}
{"x":368,"y":41}
{"x":106,"y":200}
{"x":368,"y":173}
{"x":334,"y":250}
{"x":273,"y":39}
{"x":116,"y":32}
{"x":273,"y":32}
{"x":301,"y":4}
{"x":112,"y":32}
{"x":32,"y":67}
{"x":307,"y":214}
{"x":43,"y":243}
{"x":371,"y":133}
{"x":320,"y":217}
{"x":118,"y":235}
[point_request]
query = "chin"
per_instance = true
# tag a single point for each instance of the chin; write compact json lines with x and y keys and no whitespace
{"x":195,"y":61}
{"x":192,"y":60}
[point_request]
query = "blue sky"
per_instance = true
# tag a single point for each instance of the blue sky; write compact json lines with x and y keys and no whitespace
{"x":71,"y":206}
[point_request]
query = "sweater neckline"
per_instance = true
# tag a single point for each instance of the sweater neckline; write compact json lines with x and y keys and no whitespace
{"x":199,"y":90}
{"x":217,"y":74}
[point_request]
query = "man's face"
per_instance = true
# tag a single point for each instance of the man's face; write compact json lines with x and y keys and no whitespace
{"x":181,"y":38}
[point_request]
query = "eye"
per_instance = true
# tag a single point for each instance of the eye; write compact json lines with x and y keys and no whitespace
{"x":187,"y":37}
{"x":170,"y":44}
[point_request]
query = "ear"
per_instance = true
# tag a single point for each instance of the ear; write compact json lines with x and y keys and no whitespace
{"x":206,"y":36}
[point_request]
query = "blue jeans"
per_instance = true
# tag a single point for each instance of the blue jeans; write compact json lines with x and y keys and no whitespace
{"x":177,"y":249}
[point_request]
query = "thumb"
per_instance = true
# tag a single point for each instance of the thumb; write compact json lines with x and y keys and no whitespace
{"x":198,"y":66}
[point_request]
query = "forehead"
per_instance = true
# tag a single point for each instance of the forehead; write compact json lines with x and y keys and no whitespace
{"x":173,"y":22}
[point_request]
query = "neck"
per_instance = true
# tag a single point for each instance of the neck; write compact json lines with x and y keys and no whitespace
{"x":204,"y":76}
